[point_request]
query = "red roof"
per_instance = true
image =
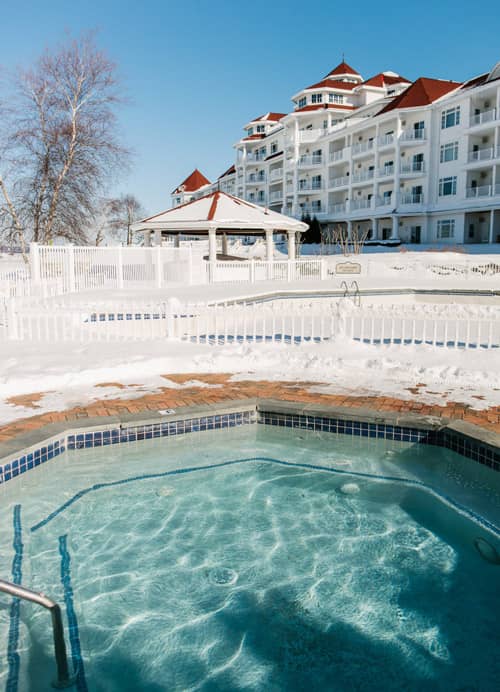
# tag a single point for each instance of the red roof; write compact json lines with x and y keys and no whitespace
{"x":192,"y":182}
{"x":274,"y":117}
{"x":421,"y":93}
{"x":253,"y":137}
{"x":231,"y":169}
{"x":325,"y":106}
{"x":333,"y":84}
{"x":381,"y":80}
{"x":343,"y":68}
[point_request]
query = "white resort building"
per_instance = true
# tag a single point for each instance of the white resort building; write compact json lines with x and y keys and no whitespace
{"x":406,"y":161}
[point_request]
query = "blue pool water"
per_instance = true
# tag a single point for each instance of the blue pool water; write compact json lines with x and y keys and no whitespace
{"x":255,"y":559}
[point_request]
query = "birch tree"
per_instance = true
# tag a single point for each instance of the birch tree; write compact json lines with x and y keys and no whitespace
{"x":60,"y":146}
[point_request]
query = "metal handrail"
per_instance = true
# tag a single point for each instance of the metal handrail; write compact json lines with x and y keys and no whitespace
{"x":64,"y":678}
{"x":356,"y":295}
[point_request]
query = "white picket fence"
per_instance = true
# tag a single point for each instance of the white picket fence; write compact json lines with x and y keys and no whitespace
{"x":248,"y":322}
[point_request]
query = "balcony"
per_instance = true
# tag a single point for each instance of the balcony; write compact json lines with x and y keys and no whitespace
{"x":339,"y":208}
{"x":413,"y":168}
{"x":362,"y":147}
{"x":386,"y":140}
{"x":276,"y":196}
{"x":386,"y":171}
{"x":483,"y":118}
{"x":384,"y":201}
{"x":312,"y":210}
{"x":309,"y":185}
{"x":310,"y":161}
{"x":361,"y":203}
{"x":308,"y":135}
{"x":363,"y":176}
{"x":479,"y":191}
{"x":255,"y":156}
{"x":337,"y":155}
{"x":412,"y":198}
{"x":276,"y":174}
{"x":342,"y":181}
{"x":256,"y":178}
{"x":485,"y":154}
{"x":413,"y":136}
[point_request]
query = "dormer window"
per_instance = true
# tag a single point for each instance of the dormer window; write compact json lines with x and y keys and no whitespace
{"x":261,"y":129}
{"x":317,"y":98}
{"x":302,"y":101}
{"x":250,"y":131}
{"x":335,"y":98}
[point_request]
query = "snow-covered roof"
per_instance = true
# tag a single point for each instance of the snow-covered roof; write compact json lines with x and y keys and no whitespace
{"x":219,"y":210}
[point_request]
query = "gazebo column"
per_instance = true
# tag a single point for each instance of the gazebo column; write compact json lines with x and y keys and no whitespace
{"x":212,"y":253}
{"x":177,"y":240}
{"x":157,"y":238}
{"x":270,"y":253}
{"x":291,"y":245}
{"x":147,"y":238}
{"x":224,"y":243}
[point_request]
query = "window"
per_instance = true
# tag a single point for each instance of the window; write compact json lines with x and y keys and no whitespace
{"x":316,"y":182}
{"x":336,"y":98}
{"x":302,"y":101}
{"x":450,"y":117}
{"x":316,"y":205}
{"x":261,"y":129}
{"x":177,"y":200}
{"x":448,"y":152}
{"x":446,"y":228}
{"x":317,"y":98}
{"x":387,"y":196}
{"x":448,"y":186}
{"x":274,"y":147}
{"x":250,"y":131}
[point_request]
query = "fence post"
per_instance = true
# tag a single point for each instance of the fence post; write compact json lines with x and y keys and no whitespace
{"x":159,"y":278}
{"x":252,"y":271}
{"x":190,"y":266}
{"x":35,"y":261}
{"x":323,"y":269}
{"x":289,"y":269}
{"x":71,"y":269}
{"x":119,"y":268}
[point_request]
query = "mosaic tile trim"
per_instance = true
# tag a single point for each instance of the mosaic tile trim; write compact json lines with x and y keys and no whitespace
{"x":29,"y":460}
{"x":467,"y":447}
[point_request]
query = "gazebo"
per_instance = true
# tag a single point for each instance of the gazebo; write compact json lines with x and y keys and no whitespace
{"x":220,"y":214}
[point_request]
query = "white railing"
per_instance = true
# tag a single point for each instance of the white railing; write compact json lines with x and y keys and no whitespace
{"x":484,"y":154}
{"x":275,"y":196}
{"x":276,"y":174}
{"x":385,"y":140}
{"x":337,"y":155}
{"x":307,"y":185}
{"x":87,"y":268}
{"x":256,"y":178}
{"x":342,"y":181}
{"x":361,"y":203}
{"x":412,"y":198}
{"x":479,"y":191}
{"x":338,"y":208}
{"x":413,"y":135}
{"x":362,"y":175}
{"x":254,"y":322}
{"x":277,"y":270}
{"x":385,"y":171}
{"x":414,"y":167}
{"x":309,"y":135}
{"x":384,"y":201}
{"x":314,"y":160}
{"x":361,"y":147}
{"x":484,"y":117}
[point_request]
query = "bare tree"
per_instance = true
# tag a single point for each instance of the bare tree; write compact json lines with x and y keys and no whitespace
{"x":123,"y":212}
{"x":60,"y":146}
{"x":349,"y":245}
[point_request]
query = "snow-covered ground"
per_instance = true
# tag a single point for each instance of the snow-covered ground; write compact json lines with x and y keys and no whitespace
{"x":68,"y":375}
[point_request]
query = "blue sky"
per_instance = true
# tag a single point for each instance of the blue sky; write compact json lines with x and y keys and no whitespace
{"x":197,"y":71}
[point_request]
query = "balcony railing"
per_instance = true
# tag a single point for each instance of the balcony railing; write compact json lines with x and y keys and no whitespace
{"x":479,"y":191}
{"x":255,"y":179}
{"x":362,"y":175}
{"x":485,"y":154}
{"x":256,"y":156}
{"x":413,"y":167}
{"x":385,"y":140}
{"x":385,"y":171}
{"x":308,"y":185}
{"x":339,"y":208}
{"x":342,"y":181}
{"x":361,"y":203}
{"x":412,"y":198}
{"x":276,"y":174}
{"x":276,"y":196}
{"x":309,"y":135}
{"x":361,"y":147}
{"x":311,"y":210}
{"x":314,"y":160}
{"x":337,"y":155}
{"x":413,"y":135}
{"x":384,"y":201}
{"x":484,"y":117}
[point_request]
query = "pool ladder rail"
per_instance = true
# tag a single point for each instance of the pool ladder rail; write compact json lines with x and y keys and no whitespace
{"x":64,"y":677}
{"x":352,"y":292}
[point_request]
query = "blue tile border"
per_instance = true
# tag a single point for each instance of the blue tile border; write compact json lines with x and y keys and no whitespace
{"x":13,"y":658}
{"x":479,"y":451}
{"x":463,"y":445}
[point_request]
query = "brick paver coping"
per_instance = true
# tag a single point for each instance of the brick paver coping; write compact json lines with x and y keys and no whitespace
{"x":168,"y":397}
